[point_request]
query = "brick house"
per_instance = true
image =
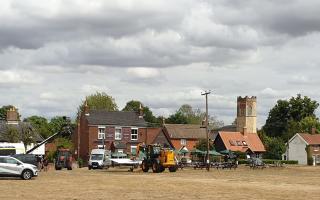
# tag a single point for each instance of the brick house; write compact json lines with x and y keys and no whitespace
{"x":118,"y":131}
{"x":184,"y":135}
{"x":297,"y":148}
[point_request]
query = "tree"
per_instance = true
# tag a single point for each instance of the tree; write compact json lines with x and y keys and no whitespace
{"x":28,"y":136}
{"x":56,"y":124}
{"x":40,"y":124}
{"x":187,"y":115}
{"x":134,"y":105}
{"x":98,"y":101}
{"x":202,"y":145}
{"x":177,"y":118}
{"x":285,"y":117}
{"x":11,"y":134}
{"x":275,"y":146}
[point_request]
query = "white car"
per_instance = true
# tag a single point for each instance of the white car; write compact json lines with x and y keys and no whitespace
{"x":12,"y":167}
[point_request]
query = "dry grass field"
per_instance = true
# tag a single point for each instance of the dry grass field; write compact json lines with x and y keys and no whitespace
{"x":243,"y":183}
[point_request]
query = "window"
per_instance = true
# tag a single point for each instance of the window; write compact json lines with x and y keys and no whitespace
{"x":134,"y":134}
{"x":239,"y":143}
{"x":244,"y":143}
{"x":134,"y":150}
{"x":11,"y":161}
{"x":183,"y":142}
{"x":118,"y":134}
{"x":101,"y":133}
{"x":232,"y":142}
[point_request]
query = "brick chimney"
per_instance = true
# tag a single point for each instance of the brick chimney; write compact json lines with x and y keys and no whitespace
{"x":86,"y":108}
{"x":12,"y":116}
{"x":313,"y":130}
{"x":140,"y":111}
{"x":244,"y":131}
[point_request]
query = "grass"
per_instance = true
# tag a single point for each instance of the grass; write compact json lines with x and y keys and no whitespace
{"x":292,"y":182}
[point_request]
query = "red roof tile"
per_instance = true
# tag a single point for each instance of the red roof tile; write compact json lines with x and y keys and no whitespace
{"x":248,"y":141}
{"x":310,"y":139}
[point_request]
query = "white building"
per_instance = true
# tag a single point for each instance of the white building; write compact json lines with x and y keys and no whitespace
{"x":302,"y":144}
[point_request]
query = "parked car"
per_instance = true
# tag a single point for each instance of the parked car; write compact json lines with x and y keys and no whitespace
{"x":12,"y":167}
{"x":26,"y":158}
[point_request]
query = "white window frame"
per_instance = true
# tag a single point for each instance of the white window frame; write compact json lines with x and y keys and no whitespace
{"x":101,"y":135}
{"x":116,"y":136}
{"x":183,"y":141}
{"x":135,"y":134}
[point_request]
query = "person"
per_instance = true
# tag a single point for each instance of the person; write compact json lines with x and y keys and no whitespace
{"x":45,"y":163}
{"x":39,"y":163}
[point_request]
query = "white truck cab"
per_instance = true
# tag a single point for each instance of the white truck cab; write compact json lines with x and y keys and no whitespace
{"x":99,"y":159}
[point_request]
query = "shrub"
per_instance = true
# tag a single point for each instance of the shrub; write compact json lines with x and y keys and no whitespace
{"x":80,"y":162}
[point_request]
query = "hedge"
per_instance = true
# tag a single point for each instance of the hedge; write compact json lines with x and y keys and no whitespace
{"x":270,"y":161}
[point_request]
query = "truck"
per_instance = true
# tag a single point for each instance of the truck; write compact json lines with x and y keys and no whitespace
{"x":99,"y":159}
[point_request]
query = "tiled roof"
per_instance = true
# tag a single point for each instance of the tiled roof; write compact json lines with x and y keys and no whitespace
{"x":248,"y":141}
{"x":311,"y":139}
{"x":185,"y":131}
{"x":3,"y":128}
{"x":120,"y":118}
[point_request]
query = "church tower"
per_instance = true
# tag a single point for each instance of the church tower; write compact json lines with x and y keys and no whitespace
{"x":247,"y":114}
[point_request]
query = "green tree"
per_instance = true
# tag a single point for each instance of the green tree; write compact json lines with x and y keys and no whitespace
{"x":177,"y":118}
{"x":11,"y":134}
{"x":28,"y":136}
{"x":202,"y":145}
{"x":56,"y":124}
{"x":187,"y":115}
{"x":134,"y":105}
{"x":40,"y":124}
{"x":98,"y":101}
{"x":285,"y":117}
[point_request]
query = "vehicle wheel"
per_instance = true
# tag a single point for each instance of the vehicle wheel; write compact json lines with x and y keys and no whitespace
{"x":161,"y":168}
{"x":58,"y":168}
{"x":155,"y":167}
{"x":144,"y":166}
{"x":26,"y":174}
{"x":173,"y":169}
{"x":69,"y":168}
{"x":89,"y":167}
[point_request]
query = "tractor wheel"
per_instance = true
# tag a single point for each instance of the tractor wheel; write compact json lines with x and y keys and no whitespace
{"x":173,"y":169}
{"x":70,"y":168}
{"x":161,"y":168}
{"x":155,"y":167}
{"x":144,"y":166}
{"x":89,"y":167}
{"x":58,"y":168}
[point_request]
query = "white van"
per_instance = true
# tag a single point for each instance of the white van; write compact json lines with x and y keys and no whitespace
{"x":99,"y":158}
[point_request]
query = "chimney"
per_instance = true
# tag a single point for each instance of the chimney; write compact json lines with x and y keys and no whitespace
{"x":12,"y":116}
{"x":313,"y":130}
{"x":86,"y":108}
{"x":244,"y":131}
{"x":140,"y":111}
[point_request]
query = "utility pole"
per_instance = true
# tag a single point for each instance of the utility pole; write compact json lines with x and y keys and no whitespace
{"x":207,"y":131}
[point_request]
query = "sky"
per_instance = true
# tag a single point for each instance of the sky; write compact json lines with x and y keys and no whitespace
{"x":164,"y":53}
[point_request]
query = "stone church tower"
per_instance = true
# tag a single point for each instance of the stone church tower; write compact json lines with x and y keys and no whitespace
{"x":247,"y":114}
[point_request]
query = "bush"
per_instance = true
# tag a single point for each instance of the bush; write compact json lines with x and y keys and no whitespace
{"x":310,"y":161}
{"x":288,"y":162}
{"x":242,"y":162}
{"x":240,"y":155}
{"x":80,"y":162}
